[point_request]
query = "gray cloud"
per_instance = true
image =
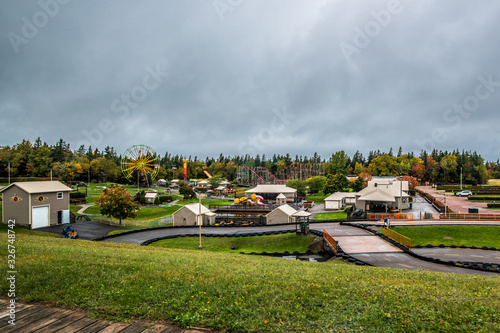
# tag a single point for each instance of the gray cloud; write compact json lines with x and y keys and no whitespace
{"x":226,"y":76}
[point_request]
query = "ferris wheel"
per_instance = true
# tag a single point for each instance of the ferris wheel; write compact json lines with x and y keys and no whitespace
{"x":140,"y":159}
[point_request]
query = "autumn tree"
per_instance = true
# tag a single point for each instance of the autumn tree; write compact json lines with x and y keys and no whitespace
{"x":316,"y":184}
{"x":117,"y":202}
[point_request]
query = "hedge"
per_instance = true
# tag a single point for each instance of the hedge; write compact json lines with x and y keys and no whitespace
{"x":494,"y":205}
{"x":484,"y":197}
{"x":165,"y":198}
{"x":74,"y":195}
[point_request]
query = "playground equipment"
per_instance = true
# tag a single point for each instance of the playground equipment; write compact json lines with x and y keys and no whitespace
{"x":141,"y":159}
{"x":207,"y":173}
{"x":68,"y":232}
{"x":253,"y":200}
{"x":260,"y":175}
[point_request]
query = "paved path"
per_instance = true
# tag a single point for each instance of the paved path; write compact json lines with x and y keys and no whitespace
{"x":365,"y":246}
{"x":458,"y":204}
{"x":87,"y":230}
{"x":81,"y":211}
{"x":358,"y":243}
{"x":138,"y":238}
{"x":470,"y":255}
{"x":44,"y":319}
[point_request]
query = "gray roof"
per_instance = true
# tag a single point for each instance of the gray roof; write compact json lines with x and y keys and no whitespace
{"x":40,"y":187}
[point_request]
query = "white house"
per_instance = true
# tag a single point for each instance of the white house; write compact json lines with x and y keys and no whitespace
{"x":150,"y":197}
{"x":383,"y":195}
{"x":339,"y":200}
{"x":281,"y":214}
{"x":188,"y":215}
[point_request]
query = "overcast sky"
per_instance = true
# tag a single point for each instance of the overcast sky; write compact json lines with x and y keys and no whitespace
{"x":259,"y":77}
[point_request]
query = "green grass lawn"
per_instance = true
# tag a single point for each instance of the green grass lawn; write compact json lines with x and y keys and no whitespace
{"x":272,"y":243}
{"x":242,"y":293}
{"x":146,"y":213}
{"x":330,"y":216}
{"x":461,"y":235}
{"x":318,"y":198}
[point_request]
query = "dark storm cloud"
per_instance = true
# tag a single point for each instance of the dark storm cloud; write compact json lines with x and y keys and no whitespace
{"x":201,"y":78}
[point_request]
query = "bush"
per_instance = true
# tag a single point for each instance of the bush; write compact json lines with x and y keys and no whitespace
{"x":484,"y":197}
{"x":142,"y":200}
{"x":157,"y":200}
{"x":494,"y":205}
{"x":165,"y":198}
{"x":76,"y":195}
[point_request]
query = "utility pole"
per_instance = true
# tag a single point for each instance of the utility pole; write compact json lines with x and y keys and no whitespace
{"x":199,"y":219}
{"x":9,"y":172}
{"x":461,"y":178}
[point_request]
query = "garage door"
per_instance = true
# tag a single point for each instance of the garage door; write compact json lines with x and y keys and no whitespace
{"x":40,"y":217}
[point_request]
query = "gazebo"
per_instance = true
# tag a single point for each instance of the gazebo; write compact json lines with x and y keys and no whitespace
{"x":102,"y":177}
{"x":302,"y":220}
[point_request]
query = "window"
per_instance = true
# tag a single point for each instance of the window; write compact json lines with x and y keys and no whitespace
{"x":59,"y":195}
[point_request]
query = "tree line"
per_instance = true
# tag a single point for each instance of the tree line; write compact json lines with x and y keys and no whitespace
{"x":38,"y":159}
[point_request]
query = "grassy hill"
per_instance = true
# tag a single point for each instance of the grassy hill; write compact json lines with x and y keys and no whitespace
{"x":239,"y":293}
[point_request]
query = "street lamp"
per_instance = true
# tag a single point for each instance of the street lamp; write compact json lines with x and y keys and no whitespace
{"x":199,"y":218}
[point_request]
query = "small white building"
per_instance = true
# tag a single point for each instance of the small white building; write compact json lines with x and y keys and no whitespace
{"x":150,"y":197}
{"x":339,"y":200}
{"x":280,"y":215}
{"x":188,"y":215}
{"x":383,"y":195}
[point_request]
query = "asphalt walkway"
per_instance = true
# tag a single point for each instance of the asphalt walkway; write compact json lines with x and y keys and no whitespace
{"x":356,"y":242}
{"x":373,"y":250}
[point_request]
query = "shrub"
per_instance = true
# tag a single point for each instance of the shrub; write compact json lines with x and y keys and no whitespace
{"x":165,"y":198}
{"x":494,"y":205}
{"x":484,"y":197}
{"x":157,"y":200}
{"x":76,"y":195}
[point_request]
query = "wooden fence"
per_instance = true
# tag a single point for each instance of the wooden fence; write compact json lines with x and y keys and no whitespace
{"x":403,"y":240}
{"x":400,"y":216}
{"x":457,"y":216}
{"x":330,"y":240}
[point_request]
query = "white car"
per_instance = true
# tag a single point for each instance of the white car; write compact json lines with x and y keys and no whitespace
{"x":465,"y":193}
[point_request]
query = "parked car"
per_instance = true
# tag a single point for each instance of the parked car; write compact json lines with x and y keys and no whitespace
{"x":465,"y":193}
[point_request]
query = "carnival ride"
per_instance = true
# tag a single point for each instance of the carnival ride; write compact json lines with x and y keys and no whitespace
{"x":256,"y":175}
{"x":140,"y":159}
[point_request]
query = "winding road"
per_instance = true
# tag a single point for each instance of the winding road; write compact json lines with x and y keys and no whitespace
{"x":358,"y":243}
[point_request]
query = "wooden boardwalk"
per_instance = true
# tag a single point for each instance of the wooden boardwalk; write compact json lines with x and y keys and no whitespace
{"x":46,"y":319}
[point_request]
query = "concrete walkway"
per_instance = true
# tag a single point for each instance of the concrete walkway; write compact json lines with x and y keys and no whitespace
{"x":371,"y":249}
{"x":356,"y":242}
{"x":81,"y":211}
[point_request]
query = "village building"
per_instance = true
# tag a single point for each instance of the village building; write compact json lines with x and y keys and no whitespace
{"x":189,"y":215}
{"x":271,"y":192}
{"x":36,"y":204}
